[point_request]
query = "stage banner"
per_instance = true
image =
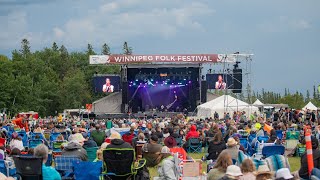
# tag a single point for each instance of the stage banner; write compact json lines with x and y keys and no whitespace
{"x":182,"y":58}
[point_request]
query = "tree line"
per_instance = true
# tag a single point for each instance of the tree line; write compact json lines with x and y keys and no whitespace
{"x":50,"y":80}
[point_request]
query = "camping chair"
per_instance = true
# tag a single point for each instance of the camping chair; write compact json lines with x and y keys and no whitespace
{"x":279,"y":134}
{"x":66,"y":135}
{"x":92,"y":153}
{"x":64,"y":165}
{"x":244,"y":143}
{"x":119,"y":163}
{"x":276,"y":162}
{"x":53,"y":136}
{"x":300,"y":149}
{"x":24,"y":138}
{"x":243,"y":133}
{"x":34,"y":143}
{"x":36,"y":136}
{"x":28,"y":167}
{"x":7,"y":168}
{"x":263,"y":139}
{"x":47,"y":134}
{"x":273,"y":150}
{"x":292,"y":139}
{"x":179,"y":141}
{"x":251,"y":137}
{"x":3,"y":141}
{"x":92,"y":173}
{"x":194,"y":145}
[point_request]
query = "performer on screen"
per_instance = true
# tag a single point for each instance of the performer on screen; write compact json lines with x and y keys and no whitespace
{"x":107,"y":88}
{"x":220,"y":84}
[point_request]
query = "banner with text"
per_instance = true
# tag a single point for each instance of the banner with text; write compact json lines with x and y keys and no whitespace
{"x":186,"y":58}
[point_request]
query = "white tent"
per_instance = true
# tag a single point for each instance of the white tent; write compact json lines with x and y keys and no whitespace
{"x":258,"y":103}
{"x":224,"y":103}
{"x":310,"y":106}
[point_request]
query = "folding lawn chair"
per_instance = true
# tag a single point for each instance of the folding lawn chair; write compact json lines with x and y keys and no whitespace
{"x":273,"y":150}
{"x":92,"y":153}
{"x":179,"y":141}
{"x":23,"y":135}
{"x":119,"y":163}
{"x":263,"y":139}
{"x":28,"y":167}
{"x":92,"y":173}
{"x":64,"y":165}
{"x":279,"y":134}
{"x":194,"y":145}
{"x":34,"y":143}
{"x":244,"y":143}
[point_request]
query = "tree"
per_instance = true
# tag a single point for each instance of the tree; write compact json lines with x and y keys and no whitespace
{"x":25,"y":47}
{"x":105,"y":49}
{"x":308,"y":96}
{"x":126,"y":49}
{"x":314,"y":92}
{"x":90,"y":50}
{"x":55,"y":46}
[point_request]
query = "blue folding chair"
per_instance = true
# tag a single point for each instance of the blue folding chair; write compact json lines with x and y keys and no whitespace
{"x":53,"y":136}
{"x":34,"y":143}
{"x":194,"y":145}
{"x":94,"y":172}
{"x":6,"y":169}
{"x":36,"y":136}
{"x":273,"y":150}
{"x":251,"y":137}
{"x":244,"y":143}
{"x":279,"y":134}
{"x":64,"y":165}
{"x":23,"y":135}
{"x":263,"y":139}
{"x":243,"y":133}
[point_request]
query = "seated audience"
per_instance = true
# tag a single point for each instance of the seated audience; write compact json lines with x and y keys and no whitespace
{"x":233,"y":172}
{"x":88,"y":142}
{"x":303,"y":172}
{"x":48,"y":172}
{"x":264,"y":173}
{"x":232,"y":148}
{"x":284,"y":174}
{"x":166,"y":168}
{"x":248,"y":169}
{"x":151,"y":151}
{"x":216,"y":146}
{"x":220,"y":167}
{"x":74,"y":147}
{"x":16,"y":142}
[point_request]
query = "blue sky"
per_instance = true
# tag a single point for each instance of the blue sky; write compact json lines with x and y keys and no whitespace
{"x":284,"y":35}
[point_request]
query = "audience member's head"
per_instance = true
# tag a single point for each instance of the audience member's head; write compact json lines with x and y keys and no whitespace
{"x":15,"y":152}
{"x":247,"y":166}
{"x":224,"y":160}
{"x":41,"y":151}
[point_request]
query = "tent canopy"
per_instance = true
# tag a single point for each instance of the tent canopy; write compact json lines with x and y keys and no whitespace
{"x":310,"y":106}
{"x":224,"y":103}
{"x":258,"y":103}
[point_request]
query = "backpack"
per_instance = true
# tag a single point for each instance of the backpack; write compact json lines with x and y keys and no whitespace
{"x":143,"y":174}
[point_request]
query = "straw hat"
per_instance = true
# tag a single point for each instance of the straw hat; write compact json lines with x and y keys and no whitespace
{"x":231,"y":142}
{"x":165,"y":150}
{"x":263,"y":169}
{"x":115,"y":135}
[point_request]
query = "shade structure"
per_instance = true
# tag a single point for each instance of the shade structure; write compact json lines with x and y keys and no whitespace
{"x":310,"y":106}
{"x":224,"y":103}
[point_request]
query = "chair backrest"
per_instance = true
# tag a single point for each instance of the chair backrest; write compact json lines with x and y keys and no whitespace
{"x":28,"y":167}
{"x":24,"y":137}
{"x":92,"y":153}
{"x":118,"y":161}
{"x":53,"y":136}
{"x":56,"y":145}
{"x":3,"y":141}
{"x":244,"y":142}
{"x":93,"y":172}
{"x":3,"y":168}
{"x":279,"y":134}
{"x":65,"y":163}
{"x":251,"y":137}
{"x":179,"y":141}
{"x":35,"y":142}
{"x":194,"y":141}
{"x":273,"y":150}
{"x":263,"y":139}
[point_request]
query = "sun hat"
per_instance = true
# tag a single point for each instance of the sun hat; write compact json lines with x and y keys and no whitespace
{"x":284,"y":173}
{"x":77,"y":138}
{"x":165,"y":150}
{"x":170,"y":142}
{"x":231,"y":142}
{"x":233,"y":170}
{"x":263,"y":169}
{"x":115,"y":135}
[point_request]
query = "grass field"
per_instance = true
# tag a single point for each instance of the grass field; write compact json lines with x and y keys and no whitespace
{"x":294,"y":164}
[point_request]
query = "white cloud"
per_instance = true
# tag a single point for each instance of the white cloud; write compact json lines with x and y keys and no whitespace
{"x":58,"y":33}
{"x":122,"y":20}
{"x":284,"y":24}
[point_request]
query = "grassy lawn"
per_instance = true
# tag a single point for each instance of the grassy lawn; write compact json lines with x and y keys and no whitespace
{"x":294,"y":164}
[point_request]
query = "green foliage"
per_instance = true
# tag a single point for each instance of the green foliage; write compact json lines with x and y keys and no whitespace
{"x":49,"y":80}
{"x":126,"y":49}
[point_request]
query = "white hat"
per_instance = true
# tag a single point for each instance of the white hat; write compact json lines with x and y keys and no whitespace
{"x":263,"y":169}
{"x":144,"y":125}
{"x":283,"y":173}
{"x":233,"y":170}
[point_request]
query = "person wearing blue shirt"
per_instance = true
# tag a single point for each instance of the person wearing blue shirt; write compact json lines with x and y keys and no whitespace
{"x":48,"y":172}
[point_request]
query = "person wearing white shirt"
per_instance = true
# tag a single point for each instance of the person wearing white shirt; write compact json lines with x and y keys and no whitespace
{"x":220,"y":84}
{"x":107,"y":88}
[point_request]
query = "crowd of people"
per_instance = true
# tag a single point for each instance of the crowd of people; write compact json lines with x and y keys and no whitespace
{"x":158,"y":137}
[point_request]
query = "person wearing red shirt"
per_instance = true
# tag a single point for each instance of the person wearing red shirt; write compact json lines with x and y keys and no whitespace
{"x":192,"y":133}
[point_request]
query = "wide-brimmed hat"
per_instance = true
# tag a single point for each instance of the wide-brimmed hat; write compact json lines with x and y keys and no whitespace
{"x":231,"y":142}
{"x":263,"y":169}
{"x":77,"y":138}
{"x":233,"y":170}
{"x":284,"y":173}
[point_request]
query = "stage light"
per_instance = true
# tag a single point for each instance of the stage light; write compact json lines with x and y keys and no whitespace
{"x":144,"y":86}
{"x":156,"y":82}
{"x":140,"y":83}
{"x":172,"y":83}
{"x":130,"y":85}
{"x":151,"y":80}
{"x":184,"y":79}
{"x":134,"y":84}
{"x":189,"y":82}
{"x":137,"y":80}
{"x":165,"y":83}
